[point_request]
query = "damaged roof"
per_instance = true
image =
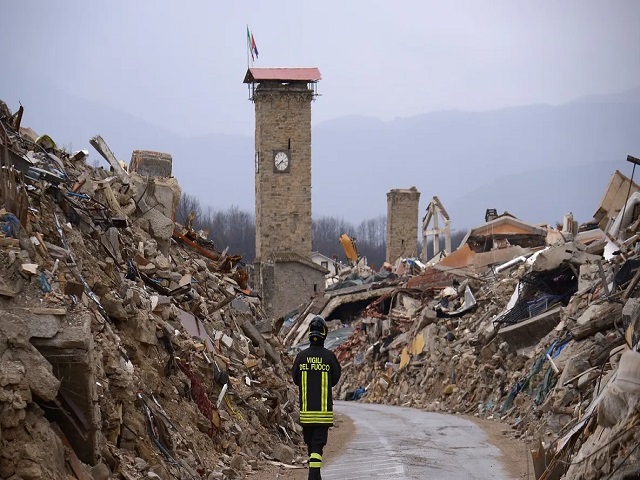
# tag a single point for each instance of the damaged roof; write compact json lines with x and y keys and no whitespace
{"x":504,"y":225}
{"x":302,"y":74}
{"x":283,"y":257}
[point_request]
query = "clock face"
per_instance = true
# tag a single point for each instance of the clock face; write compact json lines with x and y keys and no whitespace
{"x":281,"y":161}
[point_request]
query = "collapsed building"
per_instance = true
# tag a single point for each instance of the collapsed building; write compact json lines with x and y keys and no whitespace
{"x":532,"y":325}
{"x":129,"y":346}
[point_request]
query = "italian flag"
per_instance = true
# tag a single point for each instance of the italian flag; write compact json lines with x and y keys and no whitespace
{"x":251,"y":45}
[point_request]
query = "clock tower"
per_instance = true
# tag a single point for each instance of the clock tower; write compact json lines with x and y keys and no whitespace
{"x":282,"y":98}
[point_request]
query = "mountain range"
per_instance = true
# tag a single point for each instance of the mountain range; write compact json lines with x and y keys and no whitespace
{"x":538,"y":162}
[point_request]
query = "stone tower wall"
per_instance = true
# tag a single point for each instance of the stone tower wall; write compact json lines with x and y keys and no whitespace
{"x":151,"y":164}
{"x":287,"y":285}
{"x":283,"y":200}
{"x":402,"y":223}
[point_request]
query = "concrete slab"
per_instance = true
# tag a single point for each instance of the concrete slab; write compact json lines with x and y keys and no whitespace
{"x":39,"y":322}
{"x":502,"y":255}
{"x":41,"y":326}
{"x":592,"y":311}
{"x":530,"y":332}
{"x":150,"y":163}
{"x":75,"y":336}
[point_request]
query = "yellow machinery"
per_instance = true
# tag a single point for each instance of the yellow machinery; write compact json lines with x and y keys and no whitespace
{"x":350,"y":248}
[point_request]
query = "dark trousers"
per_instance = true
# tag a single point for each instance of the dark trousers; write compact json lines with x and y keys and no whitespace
{"x":316,"y":438}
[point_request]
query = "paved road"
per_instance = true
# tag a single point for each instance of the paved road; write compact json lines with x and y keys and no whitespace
{"x":407,"y":444}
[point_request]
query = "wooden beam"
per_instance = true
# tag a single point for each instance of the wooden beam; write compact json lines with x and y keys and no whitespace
{"x":72,"y":459}
{"x":602,"y":277}
{"x":604,"y":322}
{"x":103,"y":149}
{"x":46,"y":311}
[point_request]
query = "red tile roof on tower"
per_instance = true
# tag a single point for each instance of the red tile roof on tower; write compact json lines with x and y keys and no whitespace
{"x":305,"y":74}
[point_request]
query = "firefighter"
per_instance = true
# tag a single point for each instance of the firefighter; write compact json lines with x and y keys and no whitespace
{"x":315,"y":371}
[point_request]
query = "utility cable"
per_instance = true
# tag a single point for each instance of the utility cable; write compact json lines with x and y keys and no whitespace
{"x":623,"y":461}
{"x":599,"y":449}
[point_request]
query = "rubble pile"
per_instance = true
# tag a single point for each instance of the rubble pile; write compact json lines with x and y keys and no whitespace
{"x":546,"y":342}
{"x":129,"y":346}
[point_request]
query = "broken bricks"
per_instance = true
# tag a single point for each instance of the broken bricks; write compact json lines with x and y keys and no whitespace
{"x":123,"y":325}
{"x":110,"y":328}
{"x":544,"y":371}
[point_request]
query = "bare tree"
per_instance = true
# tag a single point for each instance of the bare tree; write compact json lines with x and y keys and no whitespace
{"x":236,"y":229}
{"x":370,"y":237}
{"x":189,"y":203}
{"x":233,"y":228}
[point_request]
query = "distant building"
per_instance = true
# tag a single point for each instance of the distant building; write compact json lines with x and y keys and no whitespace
{"x":503,"y":231}
{"x":333,"y":266}
{"x":402,"y":223}
{"x":499,"y":240}
{"x":289,"y":280}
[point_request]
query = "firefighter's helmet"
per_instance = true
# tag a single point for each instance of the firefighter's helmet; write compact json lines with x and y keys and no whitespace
{"x":317,"y":329}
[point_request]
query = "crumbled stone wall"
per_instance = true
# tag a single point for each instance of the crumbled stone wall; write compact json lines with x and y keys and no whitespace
{"x":161,"y":193}
{"x":287,"y":285}
{"x":402,"y":223}
{"x":28,"y":448}
{"x":151,"y":164}
{"x":134,"y":335}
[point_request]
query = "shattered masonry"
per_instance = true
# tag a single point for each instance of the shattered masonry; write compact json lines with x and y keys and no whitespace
{"x":129,"y":348}
{"x":532,"y":325}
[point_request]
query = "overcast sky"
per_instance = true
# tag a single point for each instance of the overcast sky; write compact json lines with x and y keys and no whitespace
{"x":181,"y":64}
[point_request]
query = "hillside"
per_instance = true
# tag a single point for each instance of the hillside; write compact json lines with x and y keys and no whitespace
{"x":500,"y":159}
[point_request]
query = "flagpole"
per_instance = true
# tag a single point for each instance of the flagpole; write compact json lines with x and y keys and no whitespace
{"x":248,"y":46}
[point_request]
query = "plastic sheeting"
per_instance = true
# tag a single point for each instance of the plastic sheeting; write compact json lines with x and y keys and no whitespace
{"x":468,"y":305}
{"x":624,"y":220}
{"x":621,"y":222}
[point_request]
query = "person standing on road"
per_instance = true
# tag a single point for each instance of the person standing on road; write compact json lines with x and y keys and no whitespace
{"x":315,"y":371}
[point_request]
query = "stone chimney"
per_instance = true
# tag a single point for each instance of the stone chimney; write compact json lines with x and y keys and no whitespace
{"x":402,"y":223}
{"x":491,"y":214}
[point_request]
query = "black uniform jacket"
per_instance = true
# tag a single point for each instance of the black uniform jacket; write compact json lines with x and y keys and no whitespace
{"x":315,"y":371}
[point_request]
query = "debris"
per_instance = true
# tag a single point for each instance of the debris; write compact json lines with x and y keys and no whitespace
{"x":101,"y":306}
{"x":29,"y":268}
{"x":73,"y":460}
{"x":283,"y":453}
{"x":542,"y":349}
{"x":147,"y":347}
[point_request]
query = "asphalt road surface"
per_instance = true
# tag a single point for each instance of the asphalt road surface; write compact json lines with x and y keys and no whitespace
{"x":407,"y":444}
